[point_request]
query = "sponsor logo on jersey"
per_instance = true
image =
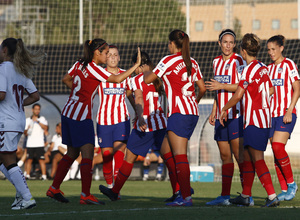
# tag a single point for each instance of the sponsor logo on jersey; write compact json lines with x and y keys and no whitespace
{"x":99,"y":140}
{"x":223,"y":79}
{"x":280,"y":70}
{"x":277,"y":82}
{"x":113,"y":91}
{"x":241,"y":68}
{"x":245,"y":84}
{"x":294,"y":73}
{"x":161,"y":67}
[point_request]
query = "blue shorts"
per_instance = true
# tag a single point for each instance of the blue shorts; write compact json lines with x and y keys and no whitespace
{"x":256,"y":138}
{"x":139,"y":142}
{"x":108,"y":134}
{"x":77,"y":133}
{"x":182,"y":125}
{"x":233,"y":129}
{"x":278,"y":125}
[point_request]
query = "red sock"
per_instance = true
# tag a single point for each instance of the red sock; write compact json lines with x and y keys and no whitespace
{"x":170,"y":163}
{"x":248,"y":176}
{"x":283,"y":160}
{"x":62,"y":170}
{"x":86,"y":175}
{"x":264,"y":176}
{"x":183,"y":174}
{"x":107,"y":167}
{"x":227,"y":173}
{"x":281,"y":178}
{"x":241,"y":166}
{"x":118,"y":157}
{"x":122,"y":176}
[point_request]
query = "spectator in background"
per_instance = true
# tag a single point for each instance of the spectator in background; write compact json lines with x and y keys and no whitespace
{"x":35,"y":129}
{"x":54,"y":154}
{"x":153,"y":155}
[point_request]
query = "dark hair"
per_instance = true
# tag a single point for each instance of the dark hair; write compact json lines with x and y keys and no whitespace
{"x":23,"y":59}
{"x":36,"y":104}
{"x":113,"y":46}
{"x":145,"y":59}
{"x":89,"y":48}
{"x":251,"y":43}
{"x":182,"y":42}
{"x":278,"y":39}
{"x":231,"y":32}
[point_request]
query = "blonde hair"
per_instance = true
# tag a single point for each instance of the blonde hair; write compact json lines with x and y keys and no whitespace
{"x":251,"y":43}
{"x":24,"y":60}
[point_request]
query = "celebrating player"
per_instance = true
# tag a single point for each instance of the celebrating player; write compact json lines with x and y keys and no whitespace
{"x":254,"y":88}
{"x":227,"y":69}
{"x":285,"y":77}
{"x":149,"y":128}
{"x":77,"y":125}
{"x":179,"y":73}
{"x":16,"y":69}
{"x":113,"y":124}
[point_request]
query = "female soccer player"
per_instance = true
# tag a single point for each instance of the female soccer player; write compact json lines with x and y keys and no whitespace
{"x":113,"y":124}
{"x":285,"y":77}
{"x":179,"y":73}
{"x":16,"y":69}
{"x":149,"y":128}
{"x":77,"y":125}
{"x":254,"y":88}
{"x":228,"y":68}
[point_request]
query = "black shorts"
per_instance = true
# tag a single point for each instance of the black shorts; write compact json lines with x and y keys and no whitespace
{"x":53,"y":153}
{"x":36,"y":153}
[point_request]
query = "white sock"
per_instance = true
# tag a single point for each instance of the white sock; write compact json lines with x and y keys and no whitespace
{"x":73,"y":169}
{"x":20,"y":163}
{"x":19,"y":182}
{"x":272,"y":196}
{"x":5,"y":172}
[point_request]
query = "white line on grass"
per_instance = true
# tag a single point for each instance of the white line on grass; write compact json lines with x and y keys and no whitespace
{"x":126,"y":210}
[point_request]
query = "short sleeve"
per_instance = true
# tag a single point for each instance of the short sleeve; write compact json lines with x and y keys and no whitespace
{"x":293,"y":73}
{"x":161,"y":68}
{"x":30,"y":87}
{"x":43,"y":120}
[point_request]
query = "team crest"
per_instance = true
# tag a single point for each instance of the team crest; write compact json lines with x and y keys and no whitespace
{"x":245,"y":84}
{"x":227,"y":66}
{"x":280,"y":70}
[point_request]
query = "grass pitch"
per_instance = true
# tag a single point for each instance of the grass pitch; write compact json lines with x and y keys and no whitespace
{"x":142,"y":200}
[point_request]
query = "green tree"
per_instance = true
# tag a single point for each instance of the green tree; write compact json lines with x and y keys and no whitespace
{"x":113,"y":20}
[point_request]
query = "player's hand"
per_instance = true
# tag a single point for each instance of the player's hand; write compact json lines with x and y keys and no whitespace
{"x":213,"y":85}
{"x":139,"y":57}
{"x":223,"y":117}
{"x":142,"y":124}
{"x":212,"y":119}
{"x":287,"y":118}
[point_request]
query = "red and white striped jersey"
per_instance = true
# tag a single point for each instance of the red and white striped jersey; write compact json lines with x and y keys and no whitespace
{"x":179,"y":87}
{"x":256,"y":82}
{"x":153,"y":114}
{"x":228,"y":72}
{"x":112,"y":106}
{"x":85,"y":84}
{"x":283,"y":76}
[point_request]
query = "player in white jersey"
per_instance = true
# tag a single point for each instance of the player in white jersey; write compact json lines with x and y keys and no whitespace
{"x":149,"y":128}
{"x":227,"y":68}
{"x":113,"y":124}
{"x":77,"y":125}
{"x":180,"y":73}
{"x":285,"y":77}
{"x":16,"y":69}
{"x":254,"y":87}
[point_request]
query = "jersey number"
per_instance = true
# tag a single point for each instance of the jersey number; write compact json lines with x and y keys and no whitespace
{"x":77,"y":81}
{"x":185,"y":88}
{"x":18,"y":91}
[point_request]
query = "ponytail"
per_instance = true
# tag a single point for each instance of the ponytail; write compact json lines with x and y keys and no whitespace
{"x":89,"y":48}
{"x":182,"y":42}
{"x":23,"y":59}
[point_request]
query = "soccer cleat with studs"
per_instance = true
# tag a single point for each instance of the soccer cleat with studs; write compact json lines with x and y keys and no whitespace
{"x":109,"y":193}
{"x":56,"y":194}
